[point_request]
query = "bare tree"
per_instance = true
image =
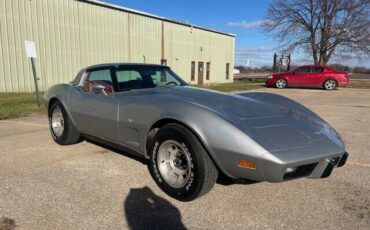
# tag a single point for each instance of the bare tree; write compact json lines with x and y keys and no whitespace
{"x":323,"y":27}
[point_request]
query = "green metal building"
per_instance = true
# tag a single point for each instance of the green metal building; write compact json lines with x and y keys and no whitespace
{"x":72,"y":34}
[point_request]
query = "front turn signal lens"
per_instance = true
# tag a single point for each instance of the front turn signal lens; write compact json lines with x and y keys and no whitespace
{"x":246,"y":164}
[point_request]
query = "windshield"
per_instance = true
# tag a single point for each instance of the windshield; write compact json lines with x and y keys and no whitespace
{"x":141,"y":77}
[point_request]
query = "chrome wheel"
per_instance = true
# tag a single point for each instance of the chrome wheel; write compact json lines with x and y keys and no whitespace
{"x":174,"y":163}
{"x":57,"y":122}
{"x":330,"y":84}
{"x":280,"y":83}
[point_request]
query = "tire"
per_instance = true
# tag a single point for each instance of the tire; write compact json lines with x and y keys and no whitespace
{"x":176,"y":151}
{"x":330,"y":84}
{"x":281,"y":83}
{"x":62,"y":129}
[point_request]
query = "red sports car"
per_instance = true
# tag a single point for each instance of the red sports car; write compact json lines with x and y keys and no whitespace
{"x":309,"y":76}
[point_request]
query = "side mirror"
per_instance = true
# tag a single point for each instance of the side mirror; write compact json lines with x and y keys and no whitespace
{"x":98,"y":88}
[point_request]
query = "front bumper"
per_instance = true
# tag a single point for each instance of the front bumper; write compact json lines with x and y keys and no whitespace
{"x":269,"y":82}
{"x":273,"y":171}
{"x":318,"y":168}
{"x":343,"y":83}
{"x":336,"y":162}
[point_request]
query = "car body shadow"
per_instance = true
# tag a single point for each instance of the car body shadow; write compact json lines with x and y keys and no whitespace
{"x":226,"y":181}
{"x":119,"y":150}
{"x":145,"y":210}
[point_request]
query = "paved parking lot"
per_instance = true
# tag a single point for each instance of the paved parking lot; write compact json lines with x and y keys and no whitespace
{"x":43,"y":185}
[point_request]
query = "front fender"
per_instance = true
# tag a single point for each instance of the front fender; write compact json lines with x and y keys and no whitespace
{"x":298,"y":112}
{"x":60,"y":92}
{"x":225,"y":143}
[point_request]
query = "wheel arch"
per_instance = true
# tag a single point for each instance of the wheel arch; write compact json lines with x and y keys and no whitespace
{"x":164,"y":121}
{"x":282,"y":77}
{"x":327,"y":79}
{"x":52,"y":100}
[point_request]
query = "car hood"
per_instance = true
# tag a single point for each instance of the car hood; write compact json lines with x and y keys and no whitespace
{"x":275,"y":122}
{"x":228,"y":105}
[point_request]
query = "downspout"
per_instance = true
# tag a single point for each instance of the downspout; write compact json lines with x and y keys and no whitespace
{"x":129,"y":37}
{"x":162,"y":44}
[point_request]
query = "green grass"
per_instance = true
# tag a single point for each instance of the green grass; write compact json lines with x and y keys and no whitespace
{"x":229,"y":87}
{"x":19,"y":104}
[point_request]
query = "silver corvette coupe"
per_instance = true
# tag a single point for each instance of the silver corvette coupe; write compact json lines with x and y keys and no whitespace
{"x":190,"y":136}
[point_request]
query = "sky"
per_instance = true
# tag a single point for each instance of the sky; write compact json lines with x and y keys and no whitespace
{"x":240,"y":17}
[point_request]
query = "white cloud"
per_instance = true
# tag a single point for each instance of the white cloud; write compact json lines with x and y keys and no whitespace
{"x":249,"y":25}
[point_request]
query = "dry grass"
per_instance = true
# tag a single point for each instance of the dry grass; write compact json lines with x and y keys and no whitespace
{"x":359,"y":84}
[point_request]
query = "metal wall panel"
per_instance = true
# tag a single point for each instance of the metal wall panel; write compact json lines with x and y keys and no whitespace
{"x":70,"y":35}
{"x":145,"y":39}
{"x":184,"y":44}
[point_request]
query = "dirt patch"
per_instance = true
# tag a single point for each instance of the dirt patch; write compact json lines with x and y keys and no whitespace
{"x":7,"y":223}
{"x":355,"y":203}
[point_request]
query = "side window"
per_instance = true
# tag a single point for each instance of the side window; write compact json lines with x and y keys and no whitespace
{"x":127,"y":75}
{"x":317,"y":70}
{"x":193,"y":71}
{"x":303,"y":70}
{"x":99,"y":78}
{"x":133,"y":79}
{"x":161,"y":78}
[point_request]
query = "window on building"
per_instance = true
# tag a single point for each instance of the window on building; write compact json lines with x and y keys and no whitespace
{"x":227,"y":71}
{"x":208,"y":69}
{"x":193,"y":71}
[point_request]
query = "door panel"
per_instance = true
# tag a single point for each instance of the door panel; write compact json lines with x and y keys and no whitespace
{"x":200,"y":72}
{"x":136,"y":112}
{"x":94,"y":114}
{"x":299,"y":77}
{"x":315,"y":77}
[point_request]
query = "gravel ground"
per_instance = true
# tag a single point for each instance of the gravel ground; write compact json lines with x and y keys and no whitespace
{"x":84,"y":186}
